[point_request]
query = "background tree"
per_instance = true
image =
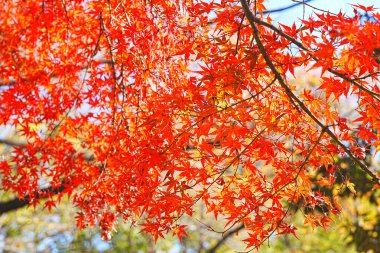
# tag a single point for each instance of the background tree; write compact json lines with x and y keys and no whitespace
{"x":142,"y":111}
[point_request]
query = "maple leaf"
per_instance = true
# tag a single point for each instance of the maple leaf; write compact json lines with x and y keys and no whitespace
{"x":50,"y":204}
{"x":140,"y":112}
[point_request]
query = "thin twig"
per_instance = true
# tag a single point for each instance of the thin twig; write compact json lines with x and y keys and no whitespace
{"x":252,"y":20}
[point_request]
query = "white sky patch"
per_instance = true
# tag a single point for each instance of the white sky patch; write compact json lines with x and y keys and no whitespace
{"x":294,"y":14}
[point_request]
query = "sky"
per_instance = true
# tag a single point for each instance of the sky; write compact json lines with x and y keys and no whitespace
{"x":289,"y":16}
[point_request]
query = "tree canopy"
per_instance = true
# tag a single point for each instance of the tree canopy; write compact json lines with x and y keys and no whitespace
{"x":140,"y":111}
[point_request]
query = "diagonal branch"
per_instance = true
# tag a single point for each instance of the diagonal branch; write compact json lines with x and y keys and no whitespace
{"x":11,"y":143}
{"x":252,"y":20}
{"x":286,"y":7}
{"x":294,"y":180}
{"x":16,"y":203}
{"x":225,"y":237}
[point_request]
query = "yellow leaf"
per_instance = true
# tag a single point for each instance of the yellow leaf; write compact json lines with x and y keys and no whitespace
{"x":351,"y":187}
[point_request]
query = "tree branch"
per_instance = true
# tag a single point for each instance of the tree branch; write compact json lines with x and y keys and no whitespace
{"x":16,"y":203}
{"x":11,"y":143}
{"x":225,"y":237}
{"x":286,"y":7}
{"x":252,"y":20}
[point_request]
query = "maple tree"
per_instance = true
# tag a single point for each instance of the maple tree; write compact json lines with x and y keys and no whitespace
{"x":140,"y":111}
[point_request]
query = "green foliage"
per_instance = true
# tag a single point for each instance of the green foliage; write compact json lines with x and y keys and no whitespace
{"x":319,"y":240}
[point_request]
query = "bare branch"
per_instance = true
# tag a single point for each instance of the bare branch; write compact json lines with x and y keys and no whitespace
{"x":286,"y":7}
{"x":11,"y":143}
{"x":225,"y":237}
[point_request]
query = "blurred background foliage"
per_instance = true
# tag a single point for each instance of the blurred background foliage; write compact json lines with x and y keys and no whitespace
{"x":355,"y":229}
